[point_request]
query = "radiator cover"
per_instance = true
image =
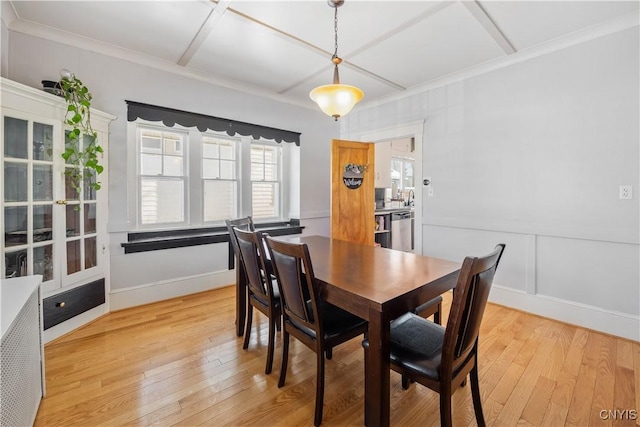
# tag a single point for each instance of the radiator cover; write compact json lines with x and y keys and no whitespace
{"x":21,"y":374}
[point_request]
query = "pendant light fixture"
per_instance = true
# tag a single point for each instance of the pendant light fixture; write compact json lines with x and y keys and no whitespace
{"x":336,"y":99}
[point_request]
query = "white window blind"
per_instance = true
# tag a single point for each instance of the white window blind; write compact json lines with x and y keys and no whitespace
{"x":265,"y":180}
{"x":162,"y":177}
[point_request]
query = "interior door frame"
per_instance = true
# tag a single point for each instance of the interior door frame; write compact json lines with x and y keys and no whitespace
{"x":413,"y":130}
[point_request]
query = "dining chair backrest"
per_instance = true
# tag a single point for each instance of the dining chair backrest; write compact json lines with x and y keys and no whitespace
{"x":250,"y":244}
{"x":245,"y":223}
{"x":467,"y":308}
{"x":292,"y":265}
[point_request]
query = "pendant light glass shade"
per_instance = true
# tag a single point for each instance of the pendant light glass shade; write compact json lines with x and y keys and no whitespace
{"x":336,"y":99}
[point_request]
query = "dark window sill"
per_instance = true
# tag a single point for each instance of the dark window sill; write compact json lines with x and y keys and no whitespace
{"x":157,"y":240}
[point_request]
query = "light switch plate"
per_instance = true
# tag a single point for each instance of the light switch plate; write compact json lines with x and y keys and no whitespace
{"x":626,"y":192}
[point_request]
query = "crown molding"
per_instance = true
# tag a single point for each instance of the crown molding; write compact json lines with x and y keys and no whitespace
{"x":8,"y":13}
{"x":593,"y":32}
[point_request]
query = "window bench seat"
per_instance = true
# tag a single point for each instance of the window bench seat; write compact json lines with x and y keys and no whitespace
{"x":169,"y":239}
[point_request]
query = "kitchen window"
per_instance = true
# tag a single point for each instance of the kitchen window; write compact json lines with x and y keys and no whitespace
{"x":402,"y":176}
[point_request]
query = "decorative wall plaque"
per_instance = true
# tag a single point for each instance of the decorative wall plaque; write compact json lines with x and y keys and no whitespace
{"x":353,"y":175}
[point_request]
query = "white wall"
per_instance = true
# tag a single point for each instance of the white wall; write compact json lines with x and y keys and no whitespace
{"x":533,"y":154}
{"x":112,"y":81}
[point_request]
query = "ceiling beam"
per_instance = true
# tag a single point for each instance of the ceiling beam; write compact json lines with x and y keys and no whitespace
{"x":209,"y":23}
{"x":483,"y":18}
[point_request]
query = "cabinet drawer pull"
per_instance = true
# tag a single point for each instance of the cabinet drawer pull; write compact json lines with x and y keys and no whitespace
{"x":60,"y":304}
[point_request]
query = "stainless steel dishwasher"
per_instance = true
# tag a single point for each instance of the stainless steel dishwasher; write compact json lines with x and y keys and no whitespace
{"x":401,"y":230}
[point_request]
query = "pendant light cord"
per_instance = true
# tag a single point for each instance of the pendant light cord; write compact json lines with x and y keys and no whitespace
{"x":335,"y":30}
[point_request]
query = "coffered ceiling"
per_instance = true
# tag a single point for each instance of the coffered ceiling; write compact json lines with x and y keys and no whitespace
{"x":282,"y":49}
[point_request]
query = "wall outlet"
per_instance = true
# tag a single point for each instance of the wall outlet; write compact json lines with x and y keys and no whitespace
{"x":626,"y":192}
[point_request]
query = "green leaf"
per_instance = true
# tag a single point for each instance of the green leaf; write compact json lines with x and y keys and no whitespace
{"x":71,"y":107}
{"x":85,"y":103}
{"x":76,"y":118}
{"x":99,"y":169}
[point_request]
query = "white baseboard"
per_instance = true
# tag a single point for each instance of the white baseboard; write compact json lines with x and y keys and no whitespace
{"x":74,"y":323}
{"x":158,"y":291}
{"x":611,"y":322}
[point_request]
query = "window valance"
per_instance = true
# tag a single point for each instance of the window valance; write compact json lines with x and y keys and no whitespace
{"x":170,"y":116}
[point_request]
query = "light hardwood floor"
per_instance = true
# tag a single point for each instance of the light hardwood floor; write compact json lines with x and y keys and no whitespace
{"x":178,"y":362}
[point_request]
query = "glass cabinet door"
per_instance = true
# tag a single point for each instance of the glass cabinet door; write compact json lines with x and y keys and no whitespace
{"x":80,"y":218}
{"x":28,"y":199}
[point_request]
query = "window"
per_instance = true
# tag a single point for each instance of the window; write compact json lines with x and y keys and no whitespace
{"x":265,"y":181}
{"x":162,"y":176}
{"x":189,"y":178}
{"x":402,"y":175}
{"x":219,"y":178}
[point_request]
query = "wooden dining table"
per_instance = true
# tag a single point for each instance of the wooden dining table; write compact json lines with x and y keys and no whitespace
{"x":379,"y":285}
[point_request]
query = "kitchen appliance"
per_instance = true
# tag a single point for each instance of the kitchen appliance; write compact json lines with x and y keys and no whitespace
{"x":380,"y":197}
{"x":402,"y":231}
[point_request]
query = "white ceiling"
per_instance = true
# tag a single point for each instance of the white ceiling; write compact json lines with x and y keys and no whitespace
{"x":282,"y":49}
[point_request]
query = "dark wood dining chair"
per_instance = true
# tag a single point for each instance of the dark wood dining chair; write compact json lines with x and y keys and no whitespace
{"x":263,"y":293}
{"x":441,"y":358}
{"x":430,"y":308}
{"x":245,"y":223}
{"x":316,"y":323}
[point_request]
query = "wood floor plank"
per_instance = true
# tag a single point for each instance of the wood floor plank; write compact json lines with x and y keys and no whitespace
{"x":624,"y":354}
{"x":580,"y":407}
{"x":178,"y":362}
{"x":624,"y":395}
{"x":538,"y":401}
{"x":603,"y":392}
{"x":555,"y":415}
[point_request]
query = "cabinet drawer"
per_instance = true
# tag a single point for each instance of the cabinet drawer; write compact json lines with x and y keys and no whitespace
{"x":65,"y":305}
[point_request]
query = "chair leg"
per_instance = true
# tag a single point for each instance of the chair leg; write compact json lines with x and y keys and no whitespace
{"x":405,"y":382}
{"x":319,"y":389}
{"x":247,"y":331}
{"x":366,"y":362}
{"x":329,"y":352}
{"x":271,"y":349}
{"x":475,"y":394}
{"x":436,"y":315}
{"x":285,"y":356}
{"x":445,"y":406}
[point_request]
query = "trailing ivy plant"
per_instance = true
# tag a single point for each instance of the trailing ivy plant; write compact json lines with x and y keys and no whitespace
{"x":81,"y":146}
